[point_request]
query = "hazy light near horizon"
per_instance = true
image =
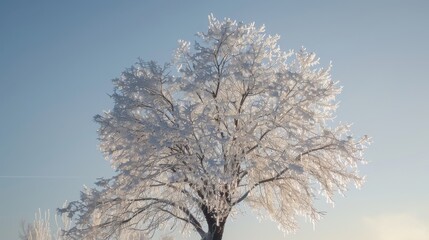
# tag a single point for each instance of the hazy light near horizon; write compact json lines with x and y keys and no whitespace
{"x":402,"y":226}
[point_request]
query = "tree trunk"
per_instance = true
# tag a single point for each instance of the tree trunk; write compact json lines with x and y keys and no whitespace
{"x":216,"y":232}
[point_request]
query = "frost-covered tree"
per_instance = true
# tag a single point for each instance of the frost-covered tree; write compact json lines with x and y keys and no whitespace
{"x":232,"y":121}
{"x":40,"y":228}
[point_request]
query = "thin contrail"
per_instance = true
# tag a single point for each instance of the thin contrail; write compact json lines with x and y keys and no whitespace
{"x":45,"y":177}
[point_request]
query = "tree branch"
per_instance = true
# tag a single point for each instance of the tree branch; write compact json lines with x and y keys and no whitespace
{"x":278,"y":175}
{"x":186,"y":211}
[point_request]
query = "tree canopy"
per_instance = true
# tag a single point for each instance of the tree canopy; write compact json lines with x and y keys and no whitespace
{"x":232,"y":120}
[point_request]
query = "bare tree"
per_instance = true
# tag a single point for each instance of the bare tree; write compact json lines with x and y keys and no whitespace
{"x":241,"y":122}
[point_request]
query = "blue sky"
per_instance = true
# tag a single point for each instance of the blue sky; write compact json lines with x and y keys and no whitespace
{"x":57,"y":59}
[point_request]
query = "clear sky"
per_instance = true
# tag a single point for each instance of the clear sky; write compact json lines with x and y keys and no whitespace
{"x":57,"y":59}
